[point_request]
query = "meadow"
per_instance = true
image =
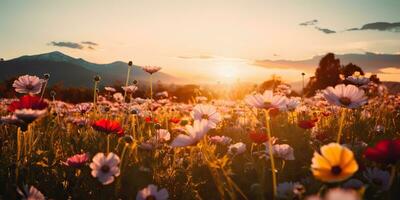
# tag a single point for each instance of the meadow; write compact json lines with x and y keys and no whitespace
{"x":341,"y":143}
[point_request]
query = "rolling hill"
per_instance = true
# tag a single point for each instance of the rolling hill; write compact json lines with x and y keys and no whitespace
{"x":75,"y":72}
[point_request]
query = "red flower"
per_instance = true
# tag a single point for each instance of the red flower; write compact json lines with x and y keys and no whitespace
{"x":108,"y":126}
{"x":306,"y":124}
{"x":385,"y":151}
{"x":258,"y":137}
{"x":28,"y":102}
{"x":175,"y":120}
{"x":150,"y":120}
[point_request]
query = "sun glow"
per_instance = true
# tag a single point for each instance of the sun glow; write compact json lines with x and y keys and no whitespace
{"x":227,"y":72}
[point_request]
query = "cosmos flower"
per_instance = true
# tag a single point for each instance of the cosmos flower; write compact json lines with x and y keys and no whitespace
{"x":104,"y":168}
{"x":236,"y":149}
{"x":28,"y":84}
{"x":151,"y":192}
{"x":77,"y":160}
{"x":292,"y":104}
{"x":378,"y":178}
{"x":28,"y":102}
{"x":83,"y":107}
{"x":342,"y":194}
{"x":335,"y":163}
{"x":358,"y":79}
{"x":151,"y":69}
{"x":174,"y":120}
{"x":195,"y":134}
{"x":224,"y":140}
{"x":348,"y":96}
{"x":306,"y":124}
{"x":282,"y":151}
{"x":130,"y":88}
{"x":29,"y":115}
{"x":108,"y":127}
{"x":163,"y":135}
{"x":30,"y":194}
{"x":385,"y":151}
{"x":118,"y":97}
{"x":110,"y":89}
{"x":258,"y":137}
{"x":206,"y":113}
{"x":267,"y":101}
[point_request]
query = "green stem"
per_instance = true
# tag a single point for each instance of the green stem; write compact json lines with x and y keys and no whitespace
{"x":127,"y":80}
{"x":95,"y":94}
{"x":108,"y":144}
{"x":44,"y":89}
{"x":271,"y":154}
{"x":342,"y":116}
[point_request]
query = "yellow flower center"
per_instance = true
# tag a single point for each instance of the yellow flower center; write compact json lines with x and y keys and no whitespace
{"x":204,"y":116}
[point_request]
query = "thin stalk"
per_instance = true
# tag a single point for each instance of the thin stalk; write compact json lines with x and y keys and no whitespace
{"x":108,"y":143}
{"x":342,"y":116}
{"x":95,"y":94}
{"x":44,"y":89}
{"x":127,"y":80}
{"x":271,"y":154}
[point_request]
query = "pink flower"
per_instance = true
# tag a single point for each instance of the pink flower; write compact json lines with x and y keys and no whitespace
{"x":77,"y":160}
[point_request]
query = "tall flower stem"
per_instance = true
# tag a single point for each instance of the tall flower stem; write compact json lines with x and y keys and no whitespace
{"x":127,"y":79}
{"x":271,"y":154}
{"x":108,"y":143}
{"x":44,"y":89}
{"x":342,"y":116}
{"x":18,"y":154}
{"x":95,"y":95}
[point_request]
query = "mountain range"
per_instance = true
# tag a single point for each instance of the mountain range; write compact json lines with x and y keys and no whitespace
{"x":75,"y":72}
{"x":369,"y":62}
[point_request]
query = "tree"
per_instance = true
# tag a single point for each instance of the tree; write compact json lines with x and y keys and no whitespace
{"x":349,"y":70}
{"x":327,"y":74}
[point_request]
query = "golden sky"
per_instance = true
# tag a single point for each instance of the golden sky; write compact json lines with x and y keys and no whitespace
{"x":200,"y":40}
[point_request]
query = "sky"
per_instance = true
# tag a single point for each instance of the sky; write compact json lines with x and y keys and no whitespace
{"x":199,"y":40}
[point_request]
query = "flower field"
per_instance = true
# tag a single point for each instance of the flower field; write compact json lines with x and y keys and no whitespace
{"x":342,"y":143}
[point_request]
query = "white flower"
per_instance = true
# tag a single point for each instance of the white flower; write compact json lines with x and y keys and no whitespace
{"x":236,"y":149}
{"x":266,"y":100}
{"x":152,"y":192}
{"x":28,"y":84}
{"x":105,"y":168}
{"x":163,"y":135}
{"x":195,"y":134}
{"x":348,"y":96}
{"x":151,"y":69}
{"x":292,"y":103}
{"x":130,"y":88}
{"x":282,"y":151}
{"x":224,"y":140}
{"x":118,"y":97}
{"x":341,"y":194}
{"x":206,"y":113}
{"x":378,"y":178}
{"x":30,"y":194}
{"x":29,"y":115}
{"x":162,"y":94}
{"x":358,"y":80}
{"x":110,"y":89}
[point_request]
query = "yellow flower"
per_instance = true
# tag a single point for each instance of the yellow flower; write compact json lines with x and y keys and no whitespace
{"x":336,"y":163}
